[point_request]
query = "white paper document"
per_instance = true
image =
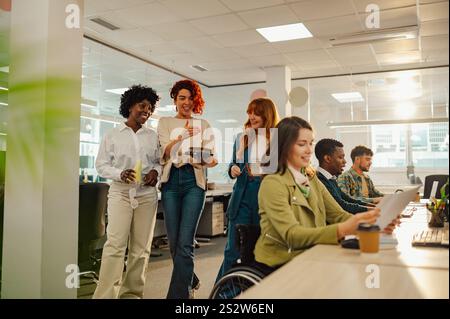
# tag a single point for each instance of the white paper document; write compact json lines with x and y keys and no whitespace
{"x":392,"y":205}
{"x":434,"y":189}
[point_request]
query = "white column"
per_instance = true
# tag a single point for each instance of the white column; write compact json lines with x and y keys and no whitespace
{"x":41,"y":192}
{"x":278,"y":81}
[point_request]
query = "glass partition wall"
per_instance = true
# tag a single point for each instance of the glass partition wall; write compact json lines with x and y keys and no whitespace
{"x":401,"y":115}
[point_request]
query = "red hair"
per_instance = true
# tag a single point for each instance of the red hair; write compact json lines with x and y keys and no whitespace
{"x":195,"y":90}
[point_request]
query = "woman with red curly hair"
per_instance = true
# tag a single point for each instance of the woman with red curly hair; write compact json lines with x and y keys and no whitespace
{"x":187,"y":146}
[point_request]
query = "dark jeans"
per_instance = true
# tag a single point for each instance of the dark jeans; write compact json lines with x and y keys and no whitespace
{"x":247,"y":215}
{"x":183,"y":203}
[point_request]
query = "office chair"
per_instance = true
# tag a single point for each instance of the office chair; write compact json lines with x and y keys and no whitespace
{"x":429,"y":180}
{"x":246,"y":272}
{"x":91,"y":226}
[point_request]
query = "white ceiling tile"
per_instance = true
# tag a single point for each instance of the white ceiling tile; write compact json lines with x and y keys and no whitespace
{"x":270,"y":60}
{"x":219,"y":24}
{"x":298,"y":45}
{"x":353,"y":55}
{"x":172,"y":60}
{"x":120,"y":4}
{"x":195,"y":8}
{"x":312,"y":56}
{"x":234,"y":39}
{"x":174,"y":31}
{"x":237,"y":64}
{"x":268,"y":17}
{"x":213,"y":55}
{"x":158,"y":49}
{"x":334,"y":26}
{"x":240,"y":5}
{"x":133,"y":37}
{"x":398,"y":57}
{"x":259,"y":49}
{"x":393,"y":18}
{"x":95,"y":7}
{"x":434,"y":11}
{"x":361,"y":5}
{"x":440,"y":56}
{"x":310,"y":66}
{"x":437,"y":42}
{"x":149,"y":14}
{"x":429,"y":28}
{"x":92,"y":7}
{"x":396,"y":46}
{"x":198,"y":44}
{"x":322,"y":9}
{"x":234,"y":76}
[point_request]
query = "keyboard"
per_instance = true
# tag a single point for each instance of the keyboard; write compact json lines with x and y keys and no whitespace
{"x":409,"y":211}
{"x":433,"y":237}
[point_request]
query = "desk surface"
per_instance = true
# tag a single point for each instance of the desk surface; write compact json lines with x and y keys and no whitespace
{"x":329,"y":271}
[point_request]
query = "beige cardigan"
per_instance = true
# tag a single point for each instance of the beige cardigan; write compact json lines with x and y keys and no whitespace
{"x":169,"y":128}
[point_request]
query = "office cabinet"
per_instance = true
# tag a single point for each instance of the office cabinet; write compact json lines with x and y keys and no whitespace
{"x":212,"y":220}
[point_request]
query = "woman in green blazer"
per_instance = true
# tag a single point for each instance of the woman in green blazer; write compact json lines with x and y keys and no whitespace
{"x":296,"y":210}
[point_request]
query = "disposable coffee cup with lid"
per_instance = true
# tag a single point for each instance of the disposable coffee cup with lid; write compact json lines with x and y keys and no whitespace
{"x":369,"y":238}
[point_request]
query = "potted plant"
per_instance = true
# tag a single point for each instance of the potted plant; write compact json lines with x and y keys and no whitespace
{"x":439,"y":208}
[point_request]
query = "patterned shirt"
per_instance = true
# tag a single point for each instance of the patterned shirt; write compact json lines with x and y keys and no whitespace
{"x":350,"y":182}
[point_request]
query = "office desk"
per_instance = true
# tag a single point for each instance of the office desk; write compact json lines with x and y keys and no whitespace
{"x":329,"y":271}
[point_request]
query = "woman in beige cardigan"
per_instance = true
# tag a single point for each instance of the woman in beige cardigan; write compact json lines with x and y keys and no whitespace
{"x":297,"y":211}
{"x":183,"y":181}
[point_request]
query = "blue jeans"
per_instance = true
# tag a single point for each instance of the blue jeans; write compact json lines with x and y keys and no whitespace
{"x":247,"y":215}
{"x":183,"y":203}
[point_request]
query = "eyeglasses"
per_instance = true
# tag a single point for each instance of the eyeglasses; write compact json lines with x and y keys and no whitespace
{"x":133,"y":201}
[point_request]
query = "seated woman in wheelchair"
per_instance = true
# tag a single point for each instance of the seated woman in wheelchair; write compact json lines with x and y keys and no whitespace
{"x":296,"y":210}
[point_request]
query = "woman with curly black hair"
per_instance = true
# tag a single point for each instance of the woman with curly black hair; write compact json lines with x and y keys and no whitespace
{"x":183,"y":180}
{"x":129,"y":156}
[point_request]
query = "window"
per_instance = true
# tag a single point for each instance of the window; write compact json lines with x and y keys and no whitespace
{"x":91,"y":133}
{"x":429,"y":145}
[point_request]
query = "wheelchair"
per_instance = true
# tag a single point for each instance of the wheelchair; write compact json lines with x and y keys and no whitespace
{"x":246,"y":272}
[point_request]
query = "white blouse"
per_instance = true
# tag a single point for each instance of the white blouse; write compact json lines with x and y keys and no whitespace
{"x":169,"y":128}
{"x":121,"y":148}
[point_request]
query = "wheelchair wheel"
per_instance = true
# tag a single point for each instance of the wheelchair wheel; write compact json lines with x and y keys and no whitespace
{"x":235,"y":282}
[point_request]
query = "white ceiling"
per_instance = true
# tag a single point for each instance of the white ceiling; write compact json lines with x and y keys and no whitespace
{"x":220,"y":35}
{"x":105,"y":68}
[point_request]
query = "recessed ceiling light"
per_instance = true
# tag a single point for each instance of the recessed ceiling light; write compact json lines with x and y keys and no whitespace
{"x":285,"y":32}
{"x":119,"y":91}
{"x":227,"y":121}
{"x":348,"y":97}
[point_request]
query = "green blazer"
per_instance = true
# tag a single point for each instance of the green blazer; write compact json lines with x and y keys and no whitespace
{"x":290,"y":223}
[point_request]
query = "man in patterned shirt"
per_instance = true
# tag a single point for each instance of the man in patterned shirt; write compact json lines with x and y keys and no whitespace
{"x":355,"y":182}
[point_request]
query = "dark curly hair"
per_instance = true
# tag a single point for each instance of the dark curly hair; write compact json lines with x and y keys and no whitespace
{"x":326,"y":146}
{"x":137,"y":94}
{"x":195,"y":90}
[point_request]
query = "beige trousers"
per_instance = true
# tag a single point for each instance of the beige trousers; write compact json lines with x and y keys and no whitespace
{"x":132,"y":227}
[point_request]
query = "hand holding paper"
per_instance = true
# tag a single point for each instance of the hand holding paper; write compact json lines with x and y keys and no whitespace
{"x":392,"y":205}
